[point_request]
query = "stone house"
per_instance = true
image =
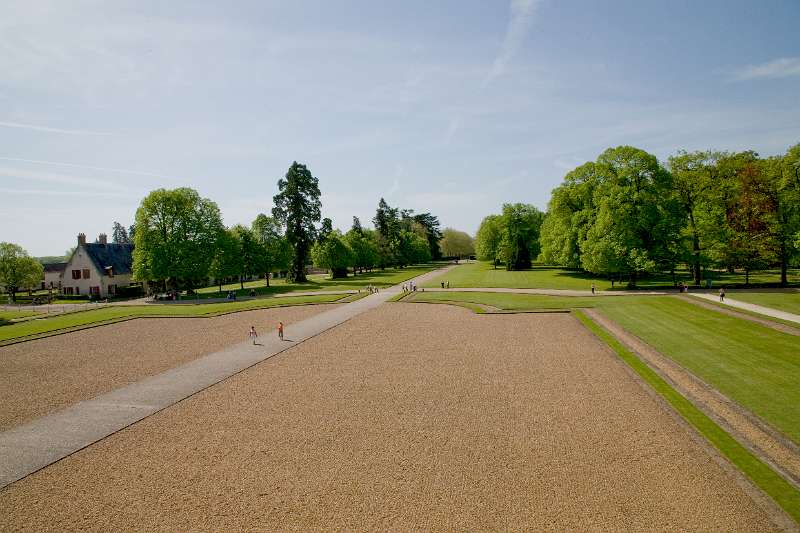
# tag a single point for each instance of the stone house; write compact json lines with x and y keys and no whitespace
{"x":53,"y":275}
{"x":98,"y":268}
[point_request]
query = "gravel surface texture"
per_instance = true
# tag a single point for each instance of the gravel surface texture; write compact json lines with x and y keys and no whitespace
{"x":767,"y":443}
{"x":42,"y":375}
{"x":407,"y":417}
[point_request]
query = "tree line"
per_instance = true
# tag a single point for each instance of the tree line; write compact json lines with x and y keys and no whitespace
{"x":626,"y":214}
{"x":181,"y":241}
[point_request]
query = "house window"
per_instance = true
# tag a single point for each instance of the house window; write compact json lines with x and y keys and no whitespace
{"x":95,"y":291}
{"x":67,"y":290}
{"x":76,"y":274}
{"x":85,"y":273}
{"x":77,"y":290}
{"x":112,"y":290}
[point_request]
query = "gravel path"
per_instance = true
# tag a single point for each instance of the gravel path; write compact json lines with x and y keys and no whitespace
{"x":760,"y":309}
{"x":777,"y":326}
{"x":405,"y":417}
{"x":42,"y":375}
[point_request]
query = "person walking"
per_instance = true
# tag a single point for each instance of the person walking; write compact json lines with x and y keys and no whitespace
{"x":592,"y":288}
{"x":722,"y":294}
{"x":443,"y":284}
{"x":280,"y":330}
{"x":253,"y":334}
{"x":448,"y":284}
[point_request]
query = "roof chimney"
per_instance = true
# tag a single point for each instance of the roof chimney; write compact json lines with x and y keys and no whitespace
{"x":103,"y":239}
{"x":81,"y":239}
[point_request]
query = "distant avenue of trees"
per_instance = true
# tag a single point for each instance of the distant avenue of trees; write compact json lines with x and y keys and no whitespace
{"x":626,"y":214}
{"x":181,"y":242}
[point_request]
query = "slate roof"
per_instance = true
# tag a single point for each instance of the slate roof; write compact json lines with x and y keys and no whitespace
{"x":117,"y":256}
{"x":55,"y":267}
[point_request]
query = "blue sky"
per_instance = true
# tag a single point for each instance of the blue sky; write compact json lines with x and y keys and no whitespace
{"x":449,"y":107}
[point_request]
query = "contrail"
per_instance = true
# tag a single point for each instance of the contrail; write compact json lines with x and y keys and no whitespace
{"x":75,"y":165}
{"x":51,"y":130}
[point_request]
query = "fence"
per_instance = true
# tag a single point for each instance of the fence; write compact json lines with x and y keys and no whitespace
{"x":53,"y":309}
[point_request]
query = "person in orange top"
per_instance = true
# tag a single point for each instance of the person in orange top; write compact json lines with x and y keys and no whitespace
{"x":280,"y":330}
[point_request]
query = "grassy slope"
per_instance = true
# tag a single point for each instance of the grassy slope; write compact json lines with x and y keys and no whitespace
{"x":784,"y":301}
{"x":10,"y":315}
{"x":481,"y":274}
{"x":378,"y":278}
{"x":110,"y":314}
{"x":756,"y":366}
{"x":761,"y":474}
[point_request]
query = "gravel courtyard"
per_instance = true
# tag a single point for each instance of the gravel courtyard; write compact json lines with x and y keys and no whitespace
{"x":51,"y":373}
{"x":410,"y":416}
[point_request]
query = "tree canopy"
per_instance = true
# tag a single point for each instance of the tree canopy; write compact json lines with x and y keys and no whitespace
{"x":298,"y":208}
{"x":177,"y":233}
{"x":18,"y":271}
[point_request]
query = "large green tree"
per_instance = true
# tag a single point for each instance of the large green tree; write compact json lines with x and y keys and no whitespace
{"x":176,"y":237}
{"x":637,"y":221}
{"x":226,"y":261}
{"x":570,"y":213}
{"x":783,"y":189}
{"x":362,"y":243}
{"x":251,"y":253}
{"x":489,"y":238}
{"x":18,"y":270}
{"x":387,"y":233}
{"x":333,"y":253}
{"x":433,"y":234}
{"x":277,"y":252}
{"x":521,"y":226}
{"x":297,"y":207}
{"x":455,"y":243}
{"x":119,"y":234}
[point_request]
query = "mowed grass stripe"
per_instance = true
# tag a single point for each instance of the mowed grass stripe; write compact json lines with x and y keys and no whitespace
{"x":755,"y":366}
{"x":762,"y":475}
{"x":83,"y":319}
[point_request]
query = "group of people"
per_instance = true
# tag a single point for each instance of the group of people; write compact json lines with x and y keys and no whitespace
{"x":445,"y":284}
{"x":410,"y":287}
{"x":371,"y":289}
{"x":254,"y":336}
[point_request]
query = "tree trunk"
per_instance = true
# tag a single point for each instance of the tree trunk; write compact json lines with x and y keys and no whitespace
{"x":784,"y":265}
{"x":13,"y":294}
{"x":266,"y":276}
{"x":695,"y":250}
{"x":746,"y":277}
{"x":220,"y":286}
{"x":241,"y":282}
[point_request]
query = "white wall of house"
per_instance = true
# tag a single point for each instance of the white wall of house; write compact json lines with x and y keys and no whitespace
{"x":52,"y":279}
{"x":90,"y":280}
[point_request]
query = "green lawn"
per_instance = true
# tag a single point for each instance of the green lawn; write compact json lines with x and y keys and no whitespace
{"x":509,"y":301}
{"x":753,"y":365}
{"x":82,"y":319}
{"x":482,"y":274}
{"x":784,"y":301}
{"x":321,"y":282}
{"x":7,"y":316}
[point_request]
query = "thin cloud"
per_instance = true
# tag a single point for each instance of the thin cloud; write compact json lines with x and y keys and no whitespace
{"x":65,"y":180}
{"x":782,"y":67}
{"x":48,"y":129}
{"x":89,"y":167}
{"x":520,"y":22}
{"x":47,"y":192}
